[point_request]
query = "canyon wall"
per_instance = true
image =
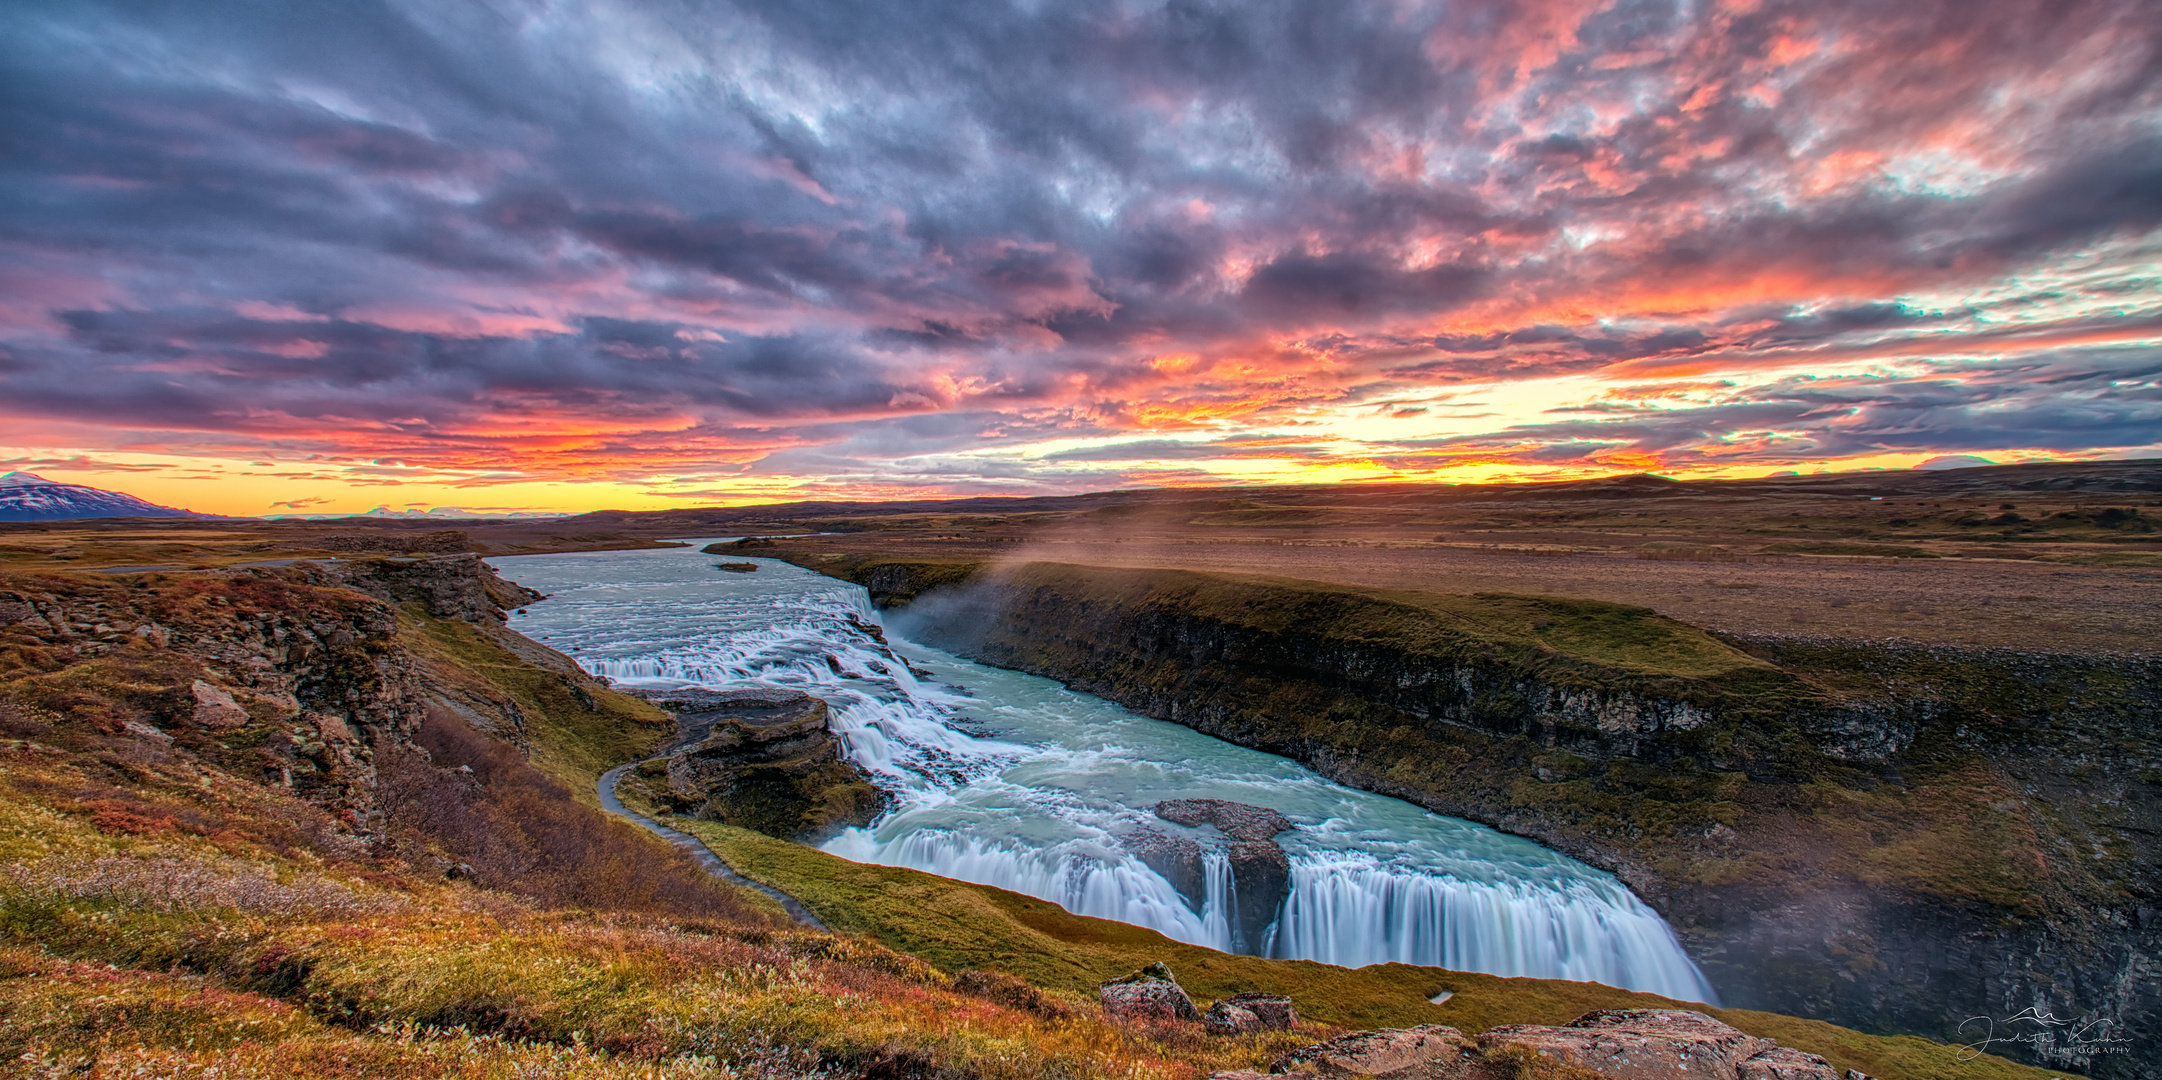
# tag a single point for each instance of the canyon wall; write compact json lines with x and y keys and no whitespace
{"x":1886,"y":836}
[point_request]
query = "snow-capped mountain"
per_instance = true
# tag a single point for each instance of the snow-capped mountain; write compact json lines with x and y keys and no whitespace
{"x":30,"y":497}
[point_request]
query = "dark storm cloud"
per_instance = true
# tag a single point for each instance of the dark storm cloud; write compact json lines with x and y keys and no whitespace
{"x":2064,"y":402}
{"x":452,"y":219}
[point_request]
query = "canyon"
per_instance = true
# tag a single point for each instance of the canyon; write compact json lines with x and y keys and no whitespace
{"x":1891,"y":836}
{"x":313,"y":686}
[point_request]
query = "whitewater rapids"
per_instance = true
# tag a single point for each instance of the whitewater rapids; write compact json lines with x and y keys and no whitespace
{"x":1011,"y":780}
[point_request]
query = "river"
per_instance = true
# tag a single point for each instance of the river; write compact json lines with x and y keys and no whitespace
{"x":1011,"y":780}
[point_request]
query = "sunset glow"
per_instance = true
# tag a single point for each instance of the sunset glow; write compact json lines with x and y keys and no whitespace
{"x":620,"y":254}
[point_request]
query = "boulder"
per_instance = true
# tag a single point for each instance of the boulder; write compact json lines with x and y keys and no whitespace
{"x":1638,"y":1044}
{"x":1244,"y":1014}
{"x":1150,"y":993}
{"x":1426,"y":1052}
{"x":1786,"y":1063}
{"x":215,"y":707}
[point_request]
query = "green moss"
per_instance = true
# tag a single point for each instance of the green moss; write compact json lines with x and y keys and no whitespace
{"x":1587,"y":640}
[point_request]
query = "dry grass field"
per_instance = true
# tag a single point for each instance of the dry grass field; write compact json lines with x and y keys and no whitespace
{"x":1935,"y":558}
{"x":2052,"y":557}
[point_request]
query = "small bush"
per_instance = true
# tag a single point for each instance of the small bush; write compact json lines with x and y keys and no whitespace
{"x":1002,"y":989}
{"x":197,"y":884}
{"x":479,"y":800}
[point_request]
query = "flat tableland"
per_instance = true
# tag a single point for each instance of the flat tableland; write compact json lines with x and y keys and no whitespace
{"x":2054,"y":557}
{"x":2050,"y":558}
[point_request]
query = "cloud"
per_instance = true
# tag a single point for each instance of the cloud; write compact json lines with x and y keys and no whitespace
{"x":635,"y":241}
{"x":1174,"y":450}
{"x":81,"y":462}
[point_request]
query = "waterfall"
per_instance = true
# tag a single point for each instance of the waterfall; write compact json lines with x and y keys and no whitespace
{"x":1347,"y":910}
{"x":1009,"y":780}
{"x":1084,"y":879}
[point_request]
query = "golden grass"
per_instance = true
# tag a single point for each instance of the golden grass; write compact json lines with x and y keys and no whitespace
{"x":958,"y":925}
{"x":165,"y":913}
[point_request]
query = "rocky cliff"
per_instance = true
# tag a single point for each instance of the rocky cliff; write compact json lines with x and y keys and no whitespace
{"x":758,"y":759}
{"x":1893,"y":838}
{"x":376,"y":708}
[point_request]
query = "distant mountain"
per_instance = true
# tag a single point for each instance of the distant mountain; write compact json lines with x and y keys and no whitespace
{"x":30,"y":497}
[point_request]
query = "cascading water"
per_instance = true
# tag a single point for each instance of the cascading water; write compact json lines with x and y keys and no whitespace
{"x":1011,"y":780}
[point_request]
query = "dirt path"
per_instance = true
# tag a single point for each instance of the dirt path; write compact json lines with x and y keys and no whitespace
{"x":696,"y":849}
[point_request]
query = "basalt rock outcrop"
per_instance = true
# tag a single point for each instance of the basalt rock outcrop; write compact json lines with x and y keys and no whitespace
{"x":294,"y":675}
{"x":1887,"y":836}
{"x":760,"y":759}
{"x":458,"y":586}
{"x":1176,"y":858}
{"x":1260,"y":871}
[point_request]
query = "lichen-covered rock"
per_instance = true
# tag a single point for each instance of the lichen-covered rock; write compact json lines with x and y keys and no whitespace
{"x":215,"y":707}
{"x":1786,"y":1063}
{"x":1426,"y":1052}
{"x":1638,"y":1044}
{"x":1244,"y":1014}
{"x":1151,"y":993}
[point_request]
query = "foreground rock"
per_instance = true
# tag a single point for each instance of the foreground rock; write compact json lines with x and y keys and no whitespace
{"x":1252,"y":1011}
{"x":761,"y":760}
{"x":1428,"y":1051}
{"x":1626,"y":1044}
{"x":1260,"y":871}
{"x":1639,"y":1044}
{"x":1151,"y":993}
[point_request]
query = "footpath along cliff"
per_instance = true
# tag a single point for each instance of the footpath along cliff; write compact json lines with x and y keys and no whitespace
{"x":1889,"y":836}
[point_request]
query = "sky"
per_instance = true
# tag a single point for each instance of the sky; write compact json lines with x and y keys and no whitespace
{"x":281,"y":257}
